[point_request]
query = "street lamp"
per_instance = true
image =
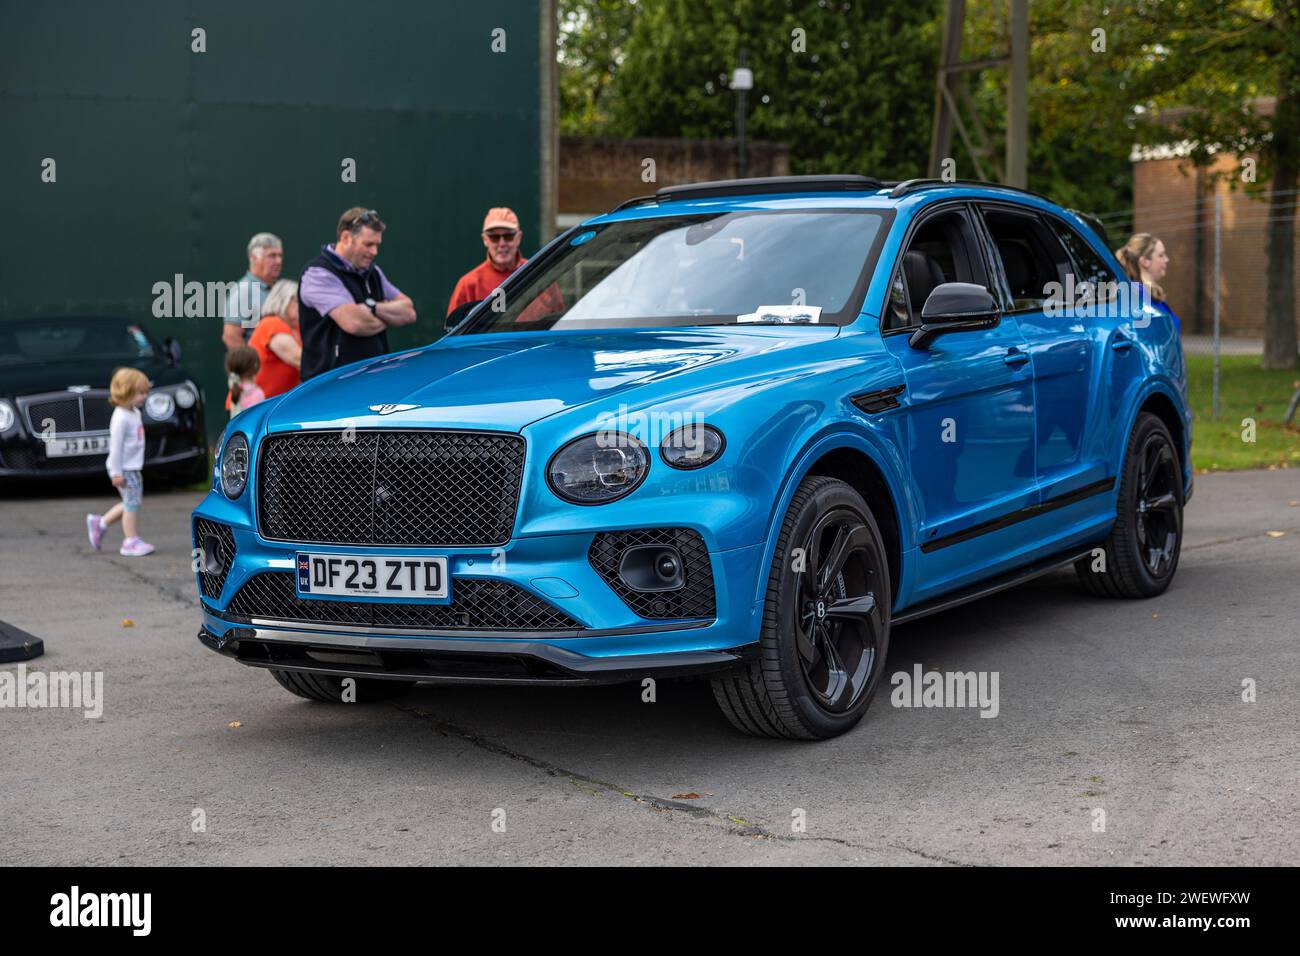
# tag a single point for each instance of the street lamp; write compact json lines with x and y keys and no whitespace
{"x":742,"y":81}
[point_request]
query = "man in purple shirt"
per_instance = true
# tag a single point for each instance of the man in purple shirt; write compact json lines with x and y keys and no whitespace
{"x":346,"y":304}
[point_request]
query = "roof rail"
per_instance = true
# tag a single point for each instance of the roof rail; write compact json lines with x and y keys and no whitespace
{"x":761,"y":184}
{"x":912,"y":185}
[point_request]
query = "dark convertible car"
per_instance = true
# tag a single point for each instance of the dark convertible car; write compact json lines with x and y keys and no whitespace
{"x":54,"y":410}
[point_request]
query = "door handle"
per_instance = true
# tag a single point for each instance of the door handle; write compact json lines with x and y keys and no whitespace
{"x":1015,"y":357}
{"x":1121,"y":342}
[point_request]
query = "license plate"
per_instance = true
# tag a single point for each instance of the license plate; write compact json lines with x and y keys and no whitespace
{"x":81,"y":445}
{"x":419,"y":578}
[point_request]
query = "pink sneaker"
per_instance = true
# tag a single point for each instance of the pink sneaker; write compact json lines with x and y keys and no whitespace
{"x":95,"y":531}
{"x":135,"y":548}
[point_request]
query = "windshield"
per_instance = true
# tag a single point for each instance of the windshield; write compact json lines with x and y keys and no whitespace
{"x":798,"y":267}
{"x":59,"y":339}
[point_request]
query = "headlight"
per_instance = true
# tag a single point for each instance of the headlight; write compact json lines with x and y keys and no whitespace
{"x":7,"y":416}
{"x":692,"y":446}
{"x":159,"y":405}
{"x":598,"y":468}
{"x":234,"y":465}
{"x":187,"y":395}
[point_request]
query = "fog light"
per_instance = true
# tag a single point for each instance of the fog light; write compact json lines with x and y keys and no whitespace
{"x":214,"y":562}
{"x":652,"y":567}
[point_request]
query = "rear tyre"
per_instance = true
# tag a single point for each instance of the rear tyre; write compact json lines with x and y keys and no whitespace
{"x":1141,"y":555}
{"x":328,"y":689}
{"x":825,"y":631}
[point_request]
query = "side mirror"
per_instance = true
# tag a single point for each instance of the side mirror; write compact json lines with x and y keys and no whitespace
{"x":954,"y":307}
{"x":172,"y":349}
{"x":458,"y":314}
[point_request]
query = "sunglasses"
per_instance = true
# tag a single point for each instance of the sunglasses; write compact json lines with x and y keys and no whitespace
{"x":501,"y":236}
{"x":368,"y":218}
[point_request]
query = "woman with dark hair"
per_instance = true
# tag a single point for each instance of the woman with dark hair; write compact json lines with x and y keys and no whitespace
{"x":1144,"y":260}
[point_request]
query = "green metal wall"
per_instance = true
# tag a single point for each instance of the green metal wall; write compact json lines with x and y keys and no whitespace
{"x":169,"y":160}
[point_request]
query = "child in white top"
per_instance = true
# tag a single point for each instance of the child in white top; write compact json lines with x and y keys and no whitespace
{"x":127,"y":392}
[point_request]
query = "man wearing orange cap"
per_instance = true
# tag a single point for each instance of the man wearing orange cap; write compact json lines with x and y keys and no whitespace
{"x":501,"y":236}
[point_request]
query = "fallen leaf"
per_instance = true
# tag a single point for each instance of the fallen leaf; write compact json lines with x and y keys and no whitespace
{"x":686,"y":796}
{"x":127,"y":622}
{"x":235,"y":724}
{"x":1275,"y":534}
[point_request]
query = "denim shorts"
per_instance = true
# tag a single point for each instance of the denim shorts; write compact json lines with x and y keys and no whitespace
{"x":131,"y":490}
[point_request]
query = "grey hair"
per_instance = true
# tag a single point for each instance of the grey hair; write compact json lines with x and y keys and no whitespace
{"x":263,"y":240}
{"x":278,"y":299}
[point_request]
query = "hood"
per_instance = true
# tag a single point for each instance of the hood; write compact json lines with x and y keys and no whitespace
{"x":507,"y":381}
{"x":33,"y":378}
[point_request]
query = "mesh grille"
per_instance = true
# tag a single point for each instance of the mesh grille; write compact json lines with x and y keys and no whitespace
{"x":418,"y":488}
{"x":695,"y":599}
{"x":213,"y":583}
{"x":476,"y":603}
{"x":66,"y":413}
{"x":95,"y":411}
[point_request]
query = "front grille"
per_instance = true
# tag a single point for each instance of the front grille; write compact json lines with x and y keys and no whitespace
{"x":416,"y":488}
{"x":476,"y":604}
{"x":82,"y":412}
{"x":694,"y":599}
{"x":213,"y":583}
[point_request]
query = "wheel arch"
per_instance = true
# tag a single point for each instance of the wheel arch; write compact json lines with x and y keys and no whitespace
{"x":851,"y":458}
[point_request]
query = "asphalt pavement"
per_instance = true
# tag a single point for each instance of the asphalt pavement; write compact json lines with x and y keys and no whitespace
{"x":1121,"y":737}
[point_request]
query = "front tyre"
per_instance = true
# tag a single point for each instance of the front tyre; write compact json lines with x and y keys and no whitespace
{"x":1141,"y":554}
{"x":825,"y":632}
{"x":329,"y":689}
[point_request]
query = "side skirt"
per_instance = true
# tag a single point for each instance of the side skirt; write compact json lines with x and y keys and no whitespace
{"x":992,"y":585}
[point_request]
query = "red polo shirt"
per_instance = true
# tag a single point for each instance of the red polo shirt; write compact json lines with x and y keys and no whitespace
{"x":478,"y":283}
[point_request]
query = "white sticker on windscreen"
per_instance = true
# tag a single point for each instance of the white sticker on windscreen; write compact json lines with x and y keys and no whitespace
{"x":784,"y":314}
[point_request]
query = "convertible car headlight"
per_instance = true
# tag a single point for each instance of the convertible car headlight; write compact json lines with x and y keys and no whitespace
{"x":187,"y":395}
{"x":7,"y":416}
{"x":598,"y":468}
{"x":159,"y":405}
{"x":692,"y":446}
{"x":234,"y":465}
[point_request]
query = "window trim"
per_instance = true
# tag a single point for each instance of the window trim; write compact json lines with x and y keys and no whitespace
{"x":923,"y":216}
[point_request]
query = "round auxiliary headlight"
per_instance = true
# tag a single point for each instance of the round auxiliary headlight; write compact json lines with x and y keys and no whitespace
{"x":7,"y":417}
{"x":234,"y":465}
{"x":598,"y":468}
{"x":692,"y":446}
{"x":159,"y":405}
{"x":186,"y":396}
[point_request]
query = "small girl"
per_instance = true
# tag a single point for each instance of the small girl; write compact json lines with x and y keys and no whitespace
{"x":242,"y":366}
{"x":126,"y":393}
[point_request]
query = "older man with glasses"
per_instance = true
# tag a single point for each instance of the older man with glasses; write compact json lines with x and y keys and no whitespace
{"x":244,"y":303}
{"x":501,"y":237}
{"x":346,"y":305}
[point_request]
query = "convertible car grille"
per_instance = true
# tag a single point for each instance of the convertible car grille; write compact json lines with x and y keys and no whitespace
{"x":476,"y":603}
{"x":694,"y":599}
{"x":417,"y":488}
{"x":84,"y":412}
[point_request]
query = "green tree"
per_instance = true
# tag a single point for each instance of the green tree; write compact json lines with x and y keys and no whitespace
{"x":847,"y":85}
{"x":590,"y":40}
{"x":1207,"y":63}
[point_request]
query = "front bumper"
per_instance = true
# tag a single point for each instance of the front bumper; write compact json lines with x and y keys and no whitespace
{"x":564,"y":623}
{"x":23,"y":457}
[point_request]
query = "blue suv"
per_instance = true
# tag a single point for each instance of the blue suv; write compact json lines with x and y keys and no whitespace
{"x":738,"y":429}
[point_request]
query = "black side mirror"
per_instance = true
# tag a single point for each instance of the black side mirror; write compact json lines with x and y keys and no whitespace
{"x":457,"y":315}
{"x":954,"y":307}
{"x":172,"y":349}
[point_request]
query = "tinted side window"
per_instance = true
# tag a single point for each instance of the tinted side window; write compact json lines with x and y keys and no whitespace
{"x":1034,"y":263}
{"x":1090,"y":268}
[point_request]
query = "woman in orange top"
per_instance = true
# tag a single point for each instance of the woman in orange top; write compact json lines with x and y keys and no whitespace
{"x":277,"y":339}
